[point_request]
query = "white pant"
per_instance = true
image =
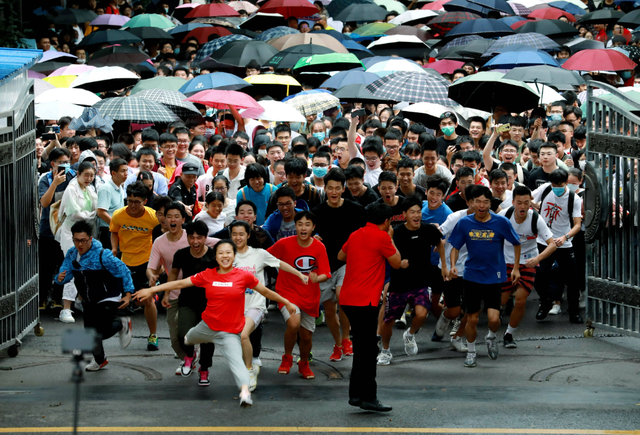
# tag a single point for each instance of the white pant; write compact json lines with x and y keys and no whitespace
{"x":69,"y":291}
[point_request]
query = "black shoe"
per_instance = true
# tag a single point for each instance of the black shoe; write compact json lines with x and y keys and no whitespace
{"x":355,"y":402}
{"x":436,"y":337}
{"x":374,"y":406}
{"x":575,"y":318}
{"x":508,"y":341}
{"x":543,"y":311}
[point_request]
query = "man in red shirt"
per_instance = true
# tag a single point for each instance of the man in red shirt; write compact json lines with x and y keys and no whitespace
{"x":309,"y":256}
{"x":365,"y":253}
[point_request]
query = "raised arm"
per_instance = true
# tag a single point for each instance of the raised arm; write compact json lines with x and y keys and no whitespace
{"x":351,"y":140}
{"x":145,"y":293}
{"x":486,"y":153}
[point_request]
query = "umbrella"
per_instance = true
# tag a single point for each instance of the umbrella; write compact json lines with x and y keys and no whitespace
{"x":599,"y":60}
{"x":56,"y":110}
{"x":35,"y":75}
{"x":243,"y":5}
{"x":134,"y":109}
{"x":403,"y":45}
{"x":445,"y":66}
{"x":547,"y":94}
{"x":106,"y":78}
{"x":371,"y":31}
{"x":168,"y":83}
{"x":579,"y":44}
{"x":485,"y":27}
{"x":212,"y":10}
{"x":532,"y":40}
{"x":557,"y":77}
{"x":240,"y":53}
{"x":462,"y":40}
{"x":212,"y":46}
{"x":632,"y":19}
{"x":515,"y":59}
{"x":487,"y":90}
{"x":288,"y":57}
{"x":177,"y":31}
{"x":73,"y":70}
{"x":437,"y":5}
{"x":361,"y":12}
{"x":91,"y":119}
{"x":466,"y":6}
{"x":551,"y":14}
{"x":151,"y":34}
{"x":110,"y":20}
{"x":313,"y":103}
{"x":217,"y":80}
{"x":357,"y":93}
{"x":391,"y":5}
{"x":202,"y":33}
{"x":337,"y":6}
{"x":117,"y":56}
{"x":422,"y":35}
{"x":496,"y":5}
{"x":568,"y":7}
{"x":275,"y":111}
{"x":449,"y":20}
{"x":276,"y":86}
{"x":345,"y":78}
{"x":429,"y":114}
{"x":60,"y":56}
{"x":512,"y":20}
{"x":412,"y":87}
{"x":472,"y":50}
{"x":173,"y":100}
{"x":149,"y":20}
{"x":308,"y":38}
{"x":519,"y":9}
{"x":276,"y":32}
{"x":603,"y":16}
{"x":312,"y":91}
{"x":395,"y":65}
{"x":40,"y":86}
{"x":339,"y":36}
{"x":79,"y":97}
{"x":110,"y":37}
{"x":289,"y":8}
{"x":410,"y":18}
{"x":327,"y":62}
{"x":71,"y":16}
{"x":550,"y":28}
{"x":61,"y":81}
{"x":261,"y":21}
{"x":223,"y":99}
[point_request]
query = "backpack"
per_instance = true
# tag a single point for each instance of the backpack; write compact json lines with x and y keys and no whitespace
{"x":547,"y":191}
{"x":534,"y":219}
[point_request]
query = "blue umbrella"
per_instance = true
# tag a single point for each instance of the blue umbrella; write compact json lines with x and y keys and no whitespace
{"x":344,"y":78}
{"x":43,"y":11}
{"x":496,"y":5}
{"x":339,"y":36}
{"x":368,"y":62}
{"x":276,"y":32}
{"x":353,"y":45}
{"x":312,"y":91}
{"x":218,"y":80}
{"x":465,"y":6}
{"x":513,"y":59}
{"x":512,"y":20}
{"x":212,"y":46}
{"x":186,"y":28}
{"x":569,"y":7}
{"x":485,"y":27}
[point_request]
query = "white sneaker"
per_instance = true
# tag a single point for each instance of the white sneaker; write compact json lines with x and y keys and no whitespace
{"x":93,"y":366}
{"x":458,"y":344}
{"x":253,"y":378}
{"x":125,"y":332}
{"x":384,"y":359}
{"x":583,"y":299}
{"x":66,"y":316}
{"x":556,"y":309}
{"x":455,"y":327}
{"x":245,"y":399}
{"x":256,"y":362}
{"x":179,"y":369}
{"x":441,"y":325}
{"x":410,"y":345}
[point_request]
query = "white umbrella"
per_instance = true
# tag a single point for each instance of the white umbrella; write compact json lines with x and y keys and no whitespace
{"x":393,"y":39}
{"x":68,"y":95}
{"x":429,"y":114}
{"x":55,"y":110}
{"x":274,"y":111}
{"x":106,"y":78}
{"x":413,"y":15}
{"x":395,"y":65}
{"x":41,"y":86}
{"x":547,"y":94}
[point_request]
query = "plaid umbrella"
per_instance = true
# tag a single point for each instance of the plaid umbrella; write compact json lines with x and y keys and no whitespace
{"x":413,"y":88}
{"x":463,"y":40}
{"x":519,"y":9}
{"x":210,"y":47}
{"x":134,"y":109}
{"x":173,"y":100}
{"x":568,"y":7}
{"x":449,"y":20}
{"x":276,"y":32}
{"x":313,"y":103}
{"x":533,"y":40}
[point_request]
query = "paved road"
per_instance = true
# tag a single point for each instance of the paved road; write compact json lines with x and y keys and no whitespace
{"x":555,"y":382}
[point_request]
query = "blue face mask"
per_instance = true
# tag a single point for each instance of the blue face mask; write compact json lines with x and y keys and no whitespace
{"x":384,"y":124}
{"x":626,"y":75}
{"x":66,"y":166}
{"x":555,"y":117}
{"x":295,"y":126}
{"x":310,"y":155}
{"x":319,"y":172}
{"x":319,"y":136}
{"x":474,"y":172}
{"x":558,"y":191}
{"x":209,"y":113}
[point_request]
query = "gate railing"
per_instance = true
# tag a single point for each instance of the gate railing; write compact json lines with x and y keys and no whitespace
{"x":611,"y":210}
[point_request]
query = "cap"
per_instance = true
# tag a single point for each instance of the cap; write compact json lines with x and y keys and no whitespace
{"x":189,"y":169}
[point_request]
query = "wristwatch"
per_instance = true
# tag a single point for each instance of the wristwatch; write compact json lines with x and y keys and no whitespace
{"x":567,"y":236}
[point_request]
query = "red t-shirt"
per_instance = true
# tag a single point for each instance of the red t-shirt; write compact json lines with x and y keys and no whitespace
{"x":306,"y":260}
{"x":225,"y":298}
{"x":367,"y":250}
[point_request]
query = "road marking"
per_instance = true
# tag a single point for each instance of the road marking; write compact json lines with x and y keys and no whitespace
{"x":90,"y":429}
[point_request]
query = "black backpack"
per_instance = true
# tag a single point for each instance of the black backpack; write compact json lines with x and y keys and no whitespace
{"x":571,"y":200}
{"x":534,"y":219}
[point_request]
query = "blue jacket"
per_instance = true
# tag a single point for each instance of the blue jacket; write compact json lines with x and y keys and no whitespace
{"x":98,"y":275}
{"x":272,"y":225}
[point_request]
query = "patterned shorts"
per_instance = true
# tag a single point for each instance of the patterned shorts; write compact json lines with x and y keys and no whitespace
{"x":396,"y":302}
{"x":527,"y":277}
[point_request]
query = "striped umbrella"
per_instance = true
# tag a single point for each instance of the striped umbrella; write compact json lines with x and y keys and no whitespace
{"x":134,"y":109}
{"x":212,"y":46}
{"x":413,"y":88}
{"x":173,"y":100}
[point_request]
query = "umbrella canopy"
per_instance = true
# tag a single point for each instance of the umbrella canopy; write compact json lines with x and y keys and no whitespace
{"x":71,"y":16}
{"x":288,"y":57}
{"x":276,"y":32}
{"x":40,"y":86}
{"x":391,"y":5}
{"x":117,"y":56}
{"x":313,"y":103}
{"x":168,"y":83}
{"x":532,"y":40}
{"x":202,"y":33}
{"x":48,"y":67}
{"x":308,"y":38}
{"x":435,"y":6}
{"x":366,"y":12}
{"x":73,"y":70}
{"x":60,"y":56}
{"x":212,"y":10}
{"x":403,"y":45}
{"x":496,"y":5}
{"x":512,"y":20}
{"x":466,"y":6}
{"x":173,"y":100}
{"x":223,"y":99}
{"x":150,"y":34}
{"x":550,"y":28}
{"x":422,"y":35}
{"x":337,"y":6}
{"x":106,"y":78}
{"x":345,"y":78}
{"x":243,"y":5}
{"x":327,"y":62}
{"x":35,"y":75}
{"x":413,"y":17}
{"x":240,"y":53}
{"x":275,"y":111}
{"x":445,"y":66}
{"x":429,"y":114}
{"x":487,"y":90}
{"x":515,"y":59}
{"x":557,"y":77}
{"x":60,"y":81}
{"x":360,"y":51}
{"x":56,"y":110}
{"x":149,"y":20}
{"x":579,"y":44}
{"x":183,"y":29}
{"x":568,"y":7}
{"x":394,"y":65}
{"x":289,"y":8}
{"x":447,"y":21}
{"x":603,"y":16}
{"x":472,"y":50}
{"x":216,"y":80}
{"x":79,"y":97}
{"x":551,"y":14}
{"x":632,"y":19}
{"x":110,"y":37}
{"x":462,"y":40}
{"x":485,"y":27}
{"x":599,"y":60}
{"x":91,"y":119}
{"x":134,"y":109}
{"x":339,"y":36}
{"x":261,"y":21}
{"x":547,"y":94}
{"x":412,"y":87}
{"x":371,"y":31}
{"x":212,"y":46}
{"x":357,"y":93}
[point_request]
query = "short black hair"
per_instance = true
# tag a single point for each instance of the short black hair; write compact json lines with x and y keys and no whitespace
{"x":235,"y":150}
{"x":480,"y":190}
{"x":82,"y":227}
{"x":275,"y":143}
{"x":121,"y":150}
{"x":472,"y":156}
{"x":406,"y":163}
{"x":167,"y":137}
{"x":300,"y":149}
{"x":149,"y":134}
{"x":559,"y":176}
{"x":214,"y":196}
{"x":296,"y":166}
{"x":449,"y":115}
{"x":393,"y":134}
{"x":176,"y":205}
{"x":373,"y":144}
{"x":497,"y":174}
{"x":388,"y":176}
{"x":335,"y":174}
{"x":281,"y":128}
{"x":353,"y":171}
{"x":115,"y":164}
{"x":464,"y":172}
{"x":518,"y":121}
{"x":521,"y":190}
{"x":238,"y":223}
{"x":161,"y":201}
{"x":246,"y":202}
{"x":56,"y":153}
{"x":427,"y":142}
{"x":417,"y":128}
{"x":506,"y":166}
{"x":144,"y":151}
{"x":255,"y":170}
{"x":437,"y":182}
{"x":305,"y":214}
{"x":378,"y":213}
{"x":87,"y":143}
{"x":223,"y":178}
{"x":411,"y":201}
{"x":283,"y":192}
{"x":137,"y":190}
{"x":548,"y":145}
{"x":197,"y":227}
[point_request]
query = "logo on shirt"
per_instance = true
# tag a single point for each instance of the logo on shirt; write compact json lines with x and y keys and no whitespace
{"x":221,"y":284}
{"x":481,"y":235}
{"x":552,"y":211}
{"x":134,"y":228}
{"x":306,"y":263}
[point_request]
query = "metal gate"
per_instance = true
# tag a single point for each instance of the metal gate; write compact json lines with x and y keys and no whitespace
{"x":18,"y":199}
{"x":611,"y":210}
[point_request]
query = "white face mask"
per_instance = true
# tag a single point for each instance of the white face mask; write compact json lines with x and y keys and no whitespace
{"x":262,"y":152}
{"x":582,"y":164}
{"x":81,"y":61}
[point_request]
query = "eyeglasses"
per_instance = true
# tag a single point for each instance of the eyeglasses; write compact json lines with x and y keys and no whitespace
{"x":134,"y":201}
{"x":286,"y":204}
{"x":183,"y":141}
{"x":219,"y":189}
{"x":169,"y":147}
{"x":371,"y":159}
{"x":80,"y":241}
{"x":281,"y":173}
{"x":320,"y":165}
{"x":393,"y":147}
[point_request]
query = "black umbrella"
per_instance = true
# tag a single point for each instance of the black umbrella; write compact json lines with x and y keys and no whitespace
{"x":48,"y":67}
{"x":473,"y":50}
{"x":357,"y":92}
{"x":337,"y":6}
{"x":632,"y":19}
{"x":558,"y":78}
{"x":150,"y":34}
{"x":110,"y":37}
{"x":550,"y":28}
{"x":215,"y":66}
{"x":262,"y":21}
{"x":244,"y":32}
{"x":361,"y":12}
{"x":117,"y":56}
{"x":71,"y":16}
{"x":603,"y":16}
{"x":288,"y":57}
{"x":408,"y":46}
{"x":240,"y":53}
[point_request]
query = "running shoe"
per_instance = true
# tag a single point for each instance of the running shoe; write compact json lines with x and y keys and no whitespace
{"x":253,"y":377}
{"x":179,"y":369}
{"x":125,"y":332}
{"x":337,"y":353}
{"x":509,"y":342}
{"x":187,"y":367}
{"x":204,"y":378}
{"x":152,"y":342}
{"x":410,"y":345}
{"x":287,"y":363}
{"x":347,"y":347}
{"x":384,"y":359}
{"x":492,"y":347}
{"x":66,"y":316}
{"x":256,"y":362}
{"x":455,"y":327}
{"x":402,"y":321}
{"x":543,"y":310}
{"x":470,"y":361}
{"x":441,"y":326}
{"x":555,"y":310}
{"x":458,"y":344}
{"x":305,"y":370}
{"x":245,"y":399}
{"x":93,"y":366}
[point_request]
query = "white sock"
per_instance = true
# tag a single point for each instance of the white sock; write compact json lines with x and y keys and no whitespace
{"x":409,"y":334}
{"x":491,"y":334}
{"x":511,"y":330}
{"x":471,"y":347}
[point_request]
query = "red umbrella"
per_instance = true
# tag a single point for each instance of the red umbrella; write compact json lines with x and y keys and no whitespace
{"x":449,"y":20}
{"x":445,"y":66}
{"x":202,"y":33}
{"x":436,"y":5}
{"x":289,"y":8}
{"x":212,"y":10}
{"x":224,"y":99}
{"x":551,"y":14}
{"x":599,"y":60}
{"x":517,"y":24}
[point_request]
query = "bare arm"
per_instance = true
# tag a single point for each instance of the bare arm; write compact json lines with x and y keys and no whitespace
{"x":173,"y":285}
{"x":237,"y":117}
{"x":351,"y":140}
{"x":104,"y":215}
{"x":342,"y":256}
{"x":486,"y":153}
{"x":269,"y":294}
{"x":551,"y":247}
{"x":114,"y":243}
{"x":47,"y":198}
{"x":453,"y":272}
{"x":395,"y":260}
{"x":290,"y":269}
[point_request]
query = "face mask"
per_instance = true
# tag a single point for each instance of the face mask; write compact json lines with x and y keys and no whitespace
{"x":319,"y":172}
{"x":636,"y":85}
{"x":166,"y":10}
{"x":582,"y":164}
{"x":339,"y":115}
{"x":474,"y":172}
{"x":320,"y":136}
{"x":295,"y":126}
{"x":626,"y":75}
{"x":228,"y":133}
{"x":572,"y":187}
{"x":558,"y":191}
{"x":209,"y":132}
{"x":209,"y":113}
{"x":555,"y":117}
{"x":81,"y":61}
{"x":66,"y":166}
{"x":262,"y":152}
{"x":448,"y":131}
{"x":384,"y":124}
{"x":310,"y":156}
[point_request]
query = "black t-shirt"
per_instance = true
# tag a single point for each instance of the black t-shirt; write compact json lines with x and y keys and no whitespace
{"x":537,"y":178}
{"x":193,"y":297}
{"x":422,"y":193}
{"x":335,"y":225}
{"x":443,"y":144}
{"x":398,"y":214}
{"x":415,"y":246}
{"x":495,"y":204}
{"x":456,"y":203}
{"x":367,"y":197}
{"x":179,"y":192}
{"x":156,"y":232}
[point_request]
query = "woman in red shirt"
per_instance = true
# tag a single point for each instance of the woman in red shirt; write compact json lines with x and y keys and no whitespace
{"x":223,"y":318}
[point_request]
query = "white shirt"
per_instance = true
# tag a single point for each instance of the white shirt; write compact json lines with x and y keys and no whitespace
{"x":508,"y":200}
{"x":234,"y":185}
{"x":371,"y":176}
{"x":528,"y":241}
{"x":254,"y":261}
{"x":214,"y":225}
{"x":446,"y":228}
{"x":555,"y":212}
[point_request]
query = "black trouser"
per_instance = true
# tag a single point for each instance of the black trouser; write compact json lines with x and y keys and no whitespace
{"x":256,"y":340}
{"x":51,"y":258}
{"x":364,"y":324}
{"x":567,"y":263}
{"x":102,"y":317}
{"x":580,"y":252}
{"x":187,"y":319}
{"x":105,"y":237}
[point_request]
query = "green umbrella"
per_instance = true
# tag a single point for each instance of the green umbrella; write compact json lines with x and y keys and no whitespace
{"x":373,"y":29}
{"x":391,"y":5}
{"x":166,"y":83}
{"x":328,"y":62}
{"x":149,"y":20}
